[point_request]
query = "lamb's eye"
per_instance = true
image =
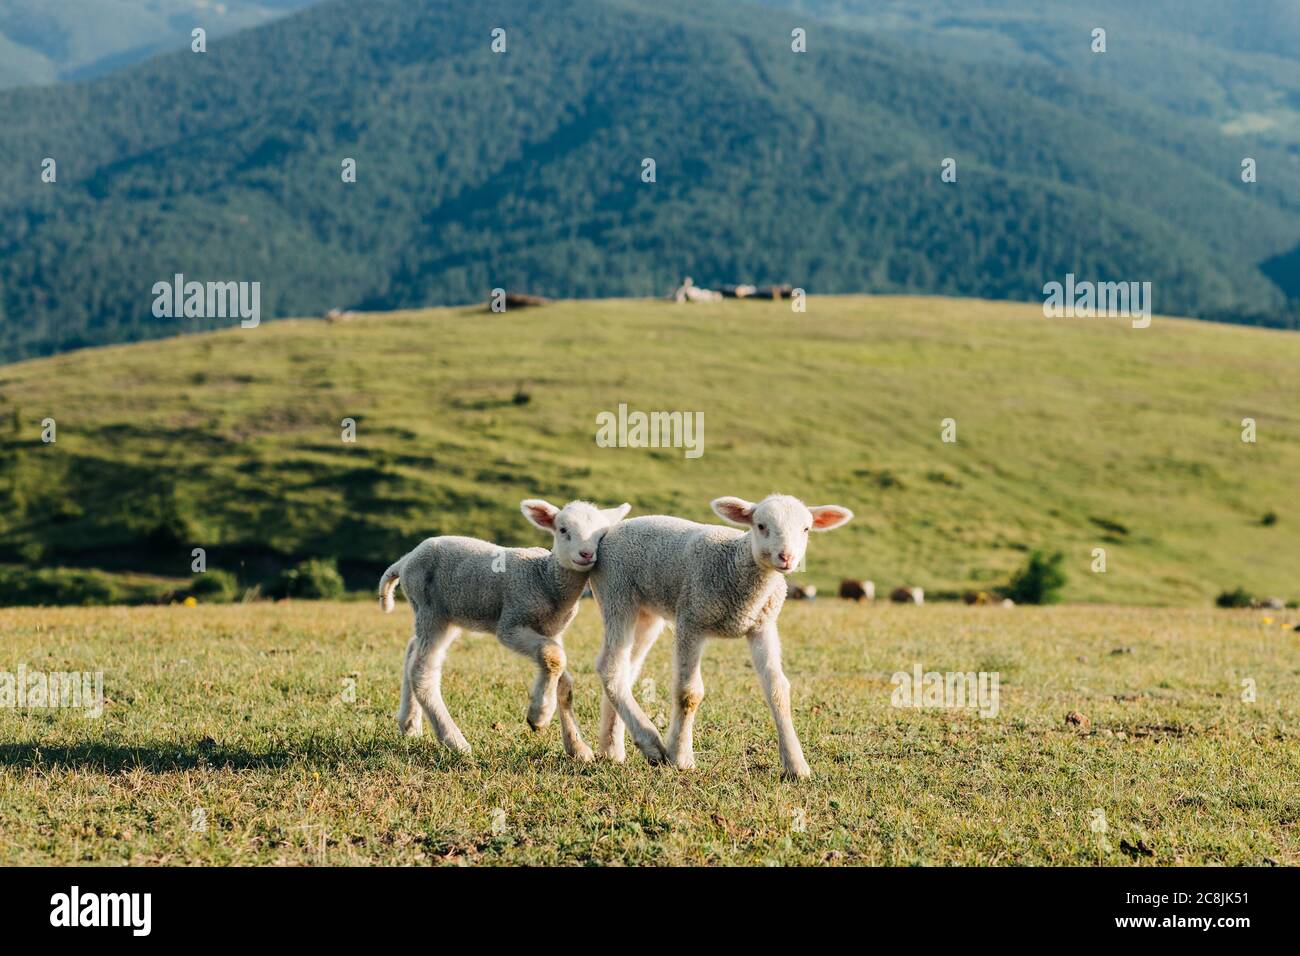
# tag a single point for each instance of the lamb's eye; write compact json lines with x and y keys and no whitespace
{"x":807,"y":529}
{"x":763,"y":528}
{"x":564,"y":531}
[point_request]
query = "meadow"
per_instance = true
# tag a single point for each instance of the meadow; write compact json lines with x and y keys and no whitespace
{"x":262,"y":733}
{"x":1071,"y":435}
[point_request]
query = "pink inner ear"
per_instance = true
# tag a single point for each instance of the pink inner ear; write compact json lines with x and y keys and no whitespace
{"x":736,"y":512}
{"x":825,"y":517}
{"x":542,"y":516}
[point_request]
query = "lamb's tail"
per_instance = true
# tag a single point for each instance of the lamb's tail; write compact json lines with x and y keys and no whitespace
{"x":388,"y":584}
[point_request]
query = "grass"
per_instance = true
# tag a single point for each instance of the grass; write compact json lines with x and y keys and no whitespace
{"x":240,"y":711}
{"x":1072,"y":435}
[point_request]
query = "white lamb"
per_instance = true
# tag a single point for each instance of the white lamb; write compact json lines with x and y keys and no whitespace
{"x":525,"y":596}
{"x":712,"y":581}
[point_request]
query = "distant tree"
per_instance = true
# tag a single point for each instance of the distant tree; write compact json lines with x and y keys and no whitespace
{"x":1238,"y":597}
{"x":1039,"y":581}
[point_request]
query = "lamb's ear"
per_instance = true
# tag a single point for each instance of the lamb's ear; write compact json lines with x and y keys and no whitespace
{"x":828,"y":517}
{"x":735,"y":510}
{"x":615,"y":515}
{"x":540,"y":514}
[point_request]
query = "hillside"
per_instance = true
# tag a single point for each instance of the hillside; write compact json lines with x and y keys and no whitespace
{"x":1235,"y":67}
{"x":523,"y":170}
{"x":42,"y":41}
{"x":1072,"y":434}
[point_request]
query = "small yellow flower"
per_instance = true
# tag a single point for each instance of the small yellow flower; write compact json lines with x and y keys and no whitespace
{"x":1268,"y":620}
{"x":190,"y":601}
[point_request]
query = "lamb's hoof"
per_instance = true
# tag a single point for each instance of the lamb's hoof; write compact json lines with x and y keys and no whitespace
{"x":614,"y":754}
{"x":410,"y":729}
{"x":458,"y":746}
{"x":684,"y":763}
{"x":800,"y":772}
{"x":582,"y":753}
{"x":541,"y":718}
{"x":654,"y":752}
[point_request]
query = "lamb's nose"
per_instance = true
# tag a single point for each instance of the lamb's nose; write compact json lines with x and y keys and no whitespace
{"x":786,"y":558}
{"x":585,"y":555}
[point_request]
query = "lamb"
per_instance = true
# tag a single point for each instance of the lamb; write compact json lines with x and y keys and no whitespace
{"x":525,"y":596}
{"x":712,"y":581}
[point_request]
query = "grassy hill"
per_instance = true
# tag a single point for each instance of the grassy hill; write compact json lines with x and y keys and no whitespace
{"x":523,"y":170}
{"x":1072,"y":434}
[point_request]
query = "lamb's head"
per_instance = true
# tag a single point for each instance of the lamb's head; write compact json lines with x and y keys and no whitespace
{"x":779,"y":526}
{"x":578,"y":528}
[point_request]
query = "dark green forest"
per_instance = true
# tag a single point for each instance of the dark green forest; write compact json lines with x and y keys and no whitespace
{"x":1234,"y":66}
{"x":523,"y":170}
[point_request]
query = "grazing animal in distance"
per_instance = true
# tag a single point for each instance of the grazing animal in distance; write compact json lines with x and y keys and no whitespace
{"x":907,"y":596}
{"x":688,"y":291}
{"x":852,"y":590}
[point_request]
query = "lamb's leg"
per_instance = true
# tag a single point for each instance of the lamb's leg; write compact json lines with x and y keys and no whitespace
{"x":574,"y":745}
{"x":424,"y":671}
{"x":614,"y":664}
{"x":765,"y":649}
{"x":648,"y":628}
{"x":688,"y":691}
{"x":549,"y":655}
{"x":613,"y":746}
{"x":410,"y":716}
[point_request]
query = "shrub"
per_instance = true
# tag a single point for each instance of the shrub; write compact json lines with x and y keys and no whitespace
{"x":56,"y":586}
{"x":1269,"y":519}
{"x":216,"y":586}
{"x":1239,"y":597}
{"x":315,"y":578}
{"x":1039,"y":581}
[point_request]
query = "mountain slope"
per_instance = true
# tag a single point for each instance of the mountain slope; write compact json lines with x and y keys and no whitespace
{"x":45,"y":42}
{"x":1236,"y":67}
{"x":1071,"y":434}
{"x":478,"y":170}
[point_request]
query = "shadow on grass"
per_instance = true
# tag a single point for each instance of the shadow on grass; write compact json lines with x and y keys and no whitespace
{"x":170,"y":757}
{"x":377,"y":754}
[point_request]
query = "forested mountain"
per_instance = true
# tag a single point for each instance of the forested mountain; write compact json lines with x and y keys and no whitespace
{"x":524,"y":170}
{"x":44,"y":41}
{"x":1235,"y":65}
